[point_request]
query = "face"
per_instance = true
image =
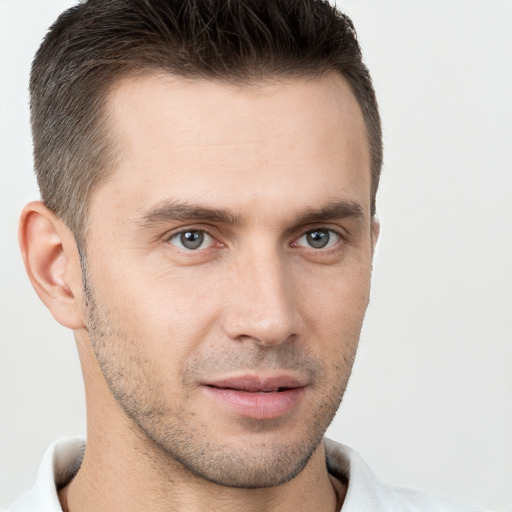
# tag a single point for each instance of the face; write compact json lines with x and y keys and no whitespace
{"x":228,"y":268}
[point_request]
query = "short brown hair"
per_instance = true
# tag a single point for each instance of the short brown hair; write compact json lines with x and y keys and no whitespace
{"x":96,"y":43}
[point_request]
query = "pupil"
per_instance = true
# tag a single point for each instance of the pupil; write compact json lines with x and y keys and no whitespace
{"x":318,"y":238}
{"x":192,"y":239}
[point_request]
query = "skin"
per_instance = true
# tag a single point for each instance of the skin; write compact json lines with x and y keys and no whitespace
{"x":155,"y":321}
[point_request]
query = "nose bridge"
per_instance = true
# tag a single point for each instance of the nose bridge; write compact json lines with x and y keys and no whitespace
{"x":263,"y":306}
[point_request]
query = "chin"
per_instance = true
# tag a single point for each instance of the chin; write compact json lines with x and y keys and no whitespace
{"x":250,"y":468}
{"x":257,"y":459}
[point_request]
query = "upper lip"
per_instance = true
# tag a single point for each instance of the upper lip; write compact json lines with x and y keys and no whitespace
{"x":257,"y":383}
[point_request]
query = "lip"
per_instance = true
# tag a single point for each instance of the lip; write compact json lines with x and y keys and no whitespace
{"x":257,"y":397}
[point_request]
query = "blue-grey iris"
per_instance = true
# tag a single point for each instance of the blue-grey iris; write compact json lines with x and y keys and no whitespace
{"x":192,"y":239}
{"x":318,"y":238}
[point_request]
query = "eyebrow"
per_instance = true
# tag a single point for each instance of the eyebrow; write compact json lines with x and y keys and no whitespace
{"x":336,"y":210}
{"x":174,"y":210}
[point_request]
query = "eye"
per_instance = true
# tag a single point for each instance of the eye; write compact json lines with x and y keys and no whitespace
{"x":191,"y":240}
{"x":318,"y":239}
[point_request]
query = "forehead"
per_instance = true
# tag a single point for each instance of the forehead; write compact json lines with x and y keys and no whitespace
{"x":214,"y":142}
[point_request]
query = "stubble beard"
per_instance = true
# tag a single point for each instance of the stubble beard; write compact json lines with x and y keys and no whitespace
{"x":177,"y":438}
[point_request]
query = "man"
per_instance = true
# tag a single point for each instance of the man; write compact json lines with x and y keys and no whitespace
{"x":208,"y":173}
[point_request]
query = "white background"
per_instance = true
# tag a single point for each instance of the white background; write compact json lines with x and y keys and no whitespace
{"x":430,"y":402}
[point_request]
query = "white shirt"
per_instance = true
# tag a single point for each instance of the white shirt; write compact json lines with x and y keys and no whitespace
{"x":365,"y":493}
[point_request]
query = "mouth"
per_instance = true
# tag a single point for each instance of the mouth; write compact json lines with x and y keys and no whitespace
{"x":271,"y":390}
{"x":257,"y":397}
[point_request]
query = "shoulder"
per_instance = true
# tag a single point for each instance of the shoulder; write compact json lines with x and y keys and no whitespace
{"x":58,"y":466}
{"x":366,"y":494}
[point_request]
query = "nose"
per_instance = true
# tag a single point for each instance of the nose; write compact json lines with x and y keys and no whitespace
{"x":263,"y":304}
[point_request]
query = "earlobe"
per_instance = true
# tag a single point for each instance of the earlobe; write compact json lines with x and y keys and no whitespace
{"x":52,"y":263}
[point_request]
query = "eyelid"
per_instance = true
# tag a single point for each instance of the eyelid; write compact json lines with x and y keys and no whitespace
{"x":339,"y":237}
{"x":338,"y":232}
{"x":170,"y":235}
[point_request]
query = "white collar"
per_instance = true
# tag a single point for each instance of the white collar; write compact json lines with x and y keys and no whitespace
{"x":365,"y":493}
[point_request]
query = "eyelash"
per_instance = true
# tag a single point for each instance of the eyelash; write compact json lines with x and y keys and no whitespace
{"x":329,"y":244}
{"x":331,"y":233}
{"x":204,"y":233}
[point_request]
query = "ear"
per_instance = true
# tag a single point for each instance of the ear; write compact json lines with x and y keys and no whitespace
{"x":375,"y":227}
{"x":52,"y":263}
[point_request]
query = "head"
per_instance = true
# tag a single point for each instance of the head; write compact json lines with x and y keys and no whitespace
{"x":208,"y":172}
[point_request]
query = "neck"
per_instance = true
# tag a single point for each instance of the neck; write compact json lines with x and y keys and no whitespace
{"x":121,"y":476}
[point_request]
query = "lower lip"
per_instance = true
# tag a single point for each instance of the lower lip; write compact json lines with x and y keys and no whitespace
{"x":258,"y":406}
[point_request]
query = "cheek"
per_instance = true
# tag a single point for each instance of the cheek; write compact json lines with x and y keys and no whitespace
{"x":337,"y":300}
{"x":168,"y":314}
